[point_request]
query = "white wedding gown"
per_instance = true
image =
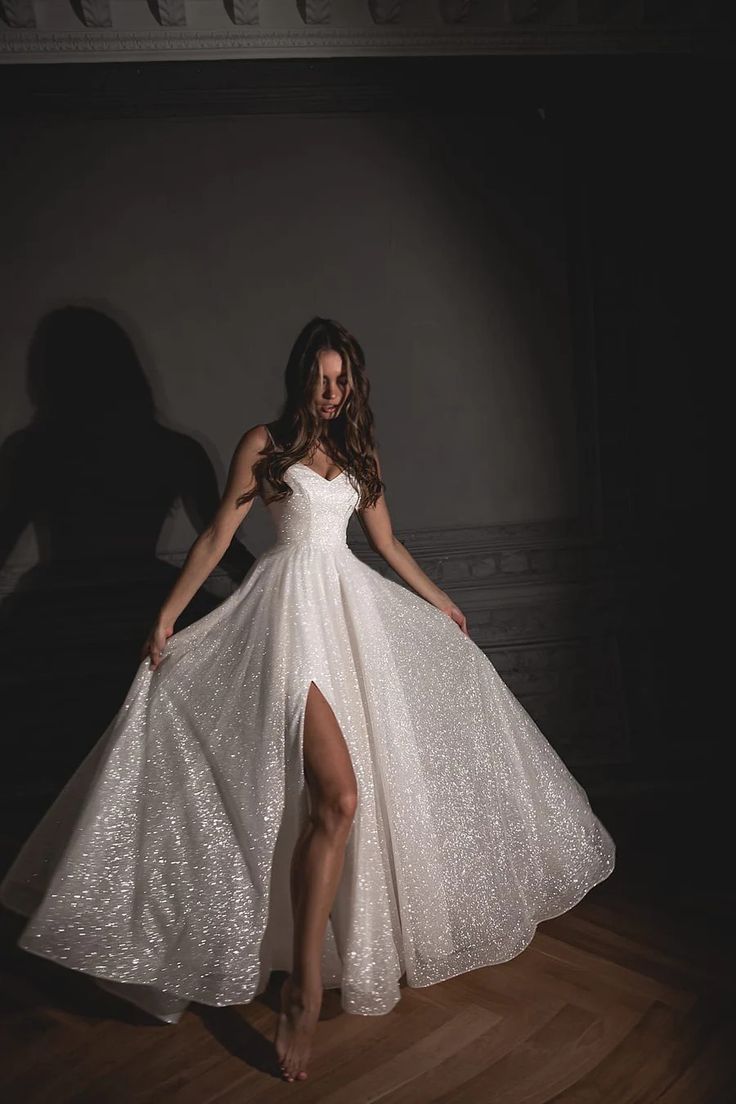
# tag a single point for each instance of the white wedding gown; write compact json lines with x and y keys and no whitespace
{"x":162,"y":867}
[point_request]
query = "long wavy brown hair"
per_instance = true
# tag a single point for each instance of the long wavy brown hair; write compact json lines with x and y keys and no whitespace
{"x":349,"y":440}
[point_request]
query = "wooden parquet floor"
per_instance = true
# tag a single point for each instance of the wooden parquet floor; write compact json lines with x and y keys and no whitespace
{"x":627,"y":999}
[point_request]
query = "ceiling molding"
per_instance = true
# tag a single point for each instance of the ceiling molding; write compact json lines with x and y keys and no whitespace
{"x":95,"y":13}
{"x":18,"y":13}
{"x":24,"y":45}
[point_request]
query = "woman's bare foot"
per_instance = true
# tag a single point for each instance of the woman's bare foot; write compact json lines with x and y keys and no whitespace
{"x":297,"y":1020}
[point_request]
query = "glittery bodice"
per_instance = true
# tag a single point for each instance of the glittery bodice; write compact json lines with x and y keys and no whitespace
{"x":316,"y":514}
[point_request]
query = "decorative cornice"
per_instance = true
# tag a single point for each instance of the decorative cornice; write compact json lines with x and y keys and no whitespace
{"x":315,"y":12}
{"x":25,"y":45}
{"x":385,"y":11}
{"x":95,"y":13}
{"x":171,"y":13}
{"x":245,"y":12}
{"x":18,"y":13}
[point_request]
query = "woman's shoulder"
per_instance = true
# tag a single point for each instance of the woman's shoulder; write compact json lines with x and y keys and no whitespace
{"x":255,"y":439}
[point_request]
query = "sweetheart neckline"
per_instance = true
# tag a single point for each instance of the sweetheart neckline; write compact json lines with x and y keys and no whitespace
{"x":298,"y":464}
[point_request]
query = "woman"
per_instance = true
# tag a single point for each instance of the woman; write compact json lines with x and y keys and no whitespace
{"x":323,"y":775}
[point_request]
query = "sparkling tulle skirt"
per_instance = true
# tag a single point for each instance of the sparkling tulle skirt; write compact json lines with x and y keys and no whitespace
{"x":162,"y":868}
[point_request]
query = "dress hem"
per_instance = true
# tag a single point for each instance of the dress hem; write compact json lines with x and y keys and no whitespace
{"x":412,"y":984}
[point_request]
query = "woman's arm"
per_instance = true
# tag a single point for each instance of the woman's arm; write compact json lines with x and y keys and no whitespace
{"x":212,"y":543}
{"x":200,"y":496}
{"x":376,"y":523}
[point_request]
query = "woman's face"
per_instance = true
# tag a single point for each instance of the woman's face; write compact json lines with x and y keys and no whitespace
{"x":333,"y":388}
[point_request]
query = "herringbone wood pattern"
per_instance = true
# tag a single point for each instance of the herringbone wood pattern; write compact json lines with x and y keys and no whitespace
{"x":626,"y":999}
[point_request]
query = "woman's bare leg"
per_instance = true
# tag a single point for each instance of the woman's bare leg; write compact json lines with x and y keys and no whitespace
{"x":316,"y":867}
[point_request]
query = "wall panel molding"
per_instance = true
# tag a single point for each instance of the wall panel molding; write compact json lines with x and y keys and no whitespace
{"x":545,"y":602}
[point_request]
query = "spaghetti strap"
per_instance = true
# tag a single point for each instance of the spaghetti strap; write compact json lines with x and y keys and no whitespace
{"x":270,"y":434}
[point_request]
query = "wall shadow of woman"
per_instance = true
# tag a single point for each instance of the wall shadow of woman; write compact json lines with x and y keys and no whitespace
{"x":96,"y":475}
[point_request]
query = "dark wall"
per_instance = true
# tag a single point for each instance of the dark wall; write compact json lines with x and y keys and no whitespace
{"x":596,"y":617}
{"x":653,"y":153}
